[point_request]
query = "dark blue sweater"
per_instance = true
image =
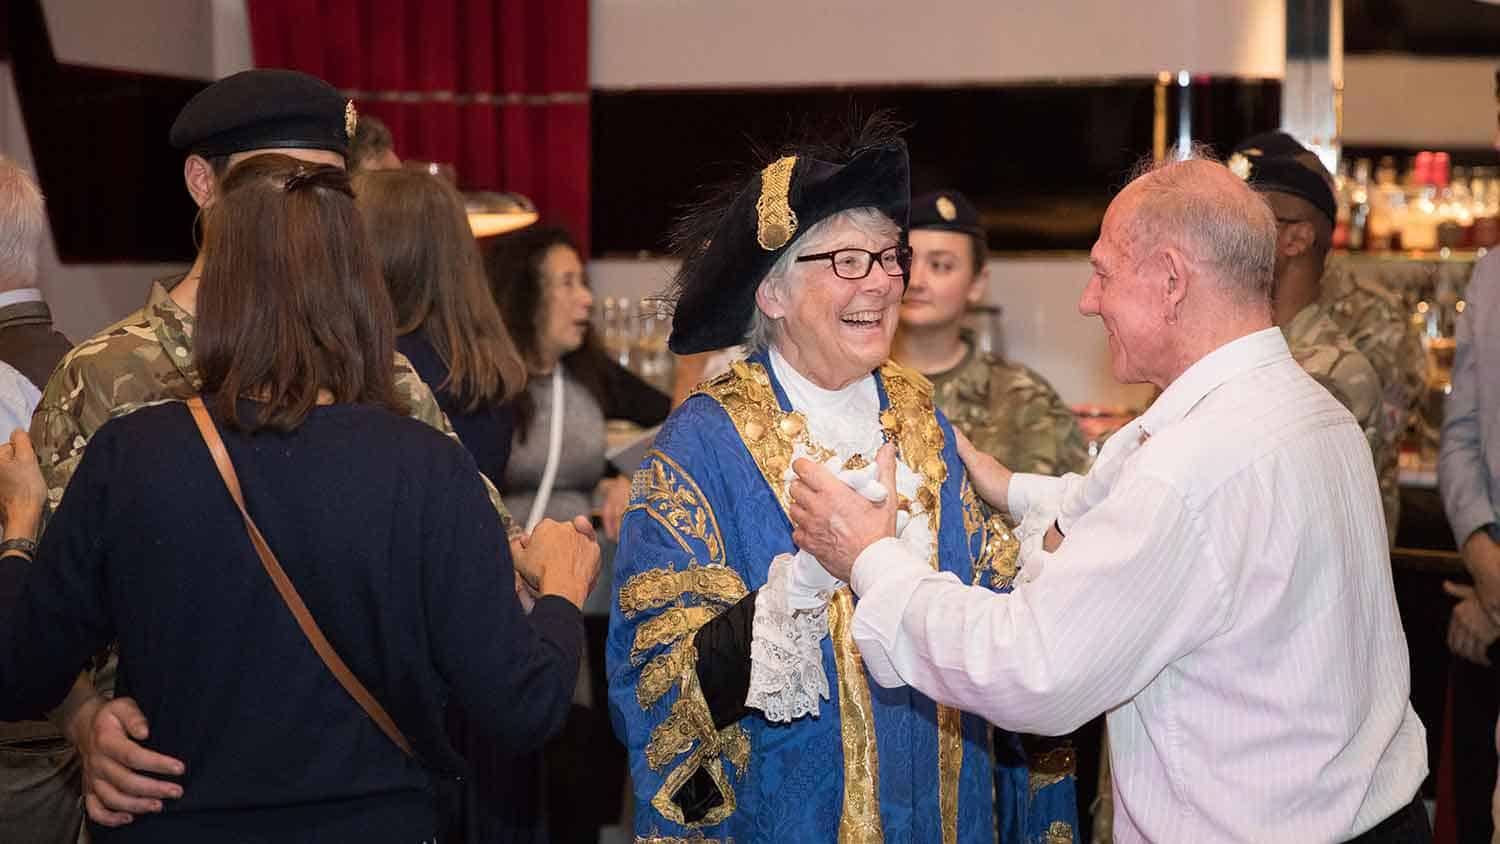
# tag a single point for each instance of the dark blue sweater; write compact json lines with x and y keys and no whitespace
{"x":384,"y":527}
{"x":486,"y":432}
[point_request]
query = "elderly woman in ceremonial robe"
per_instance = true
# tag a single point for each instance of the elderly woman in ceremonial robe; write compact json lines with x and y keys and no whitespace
{"x":734,"y":681}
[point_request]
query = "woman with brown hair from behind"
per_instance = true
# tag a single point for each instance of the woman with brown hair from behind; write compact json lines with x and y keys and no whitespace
{"x":447,"y":323}
{"x":448,"y":326}
{"x":378,"y":521}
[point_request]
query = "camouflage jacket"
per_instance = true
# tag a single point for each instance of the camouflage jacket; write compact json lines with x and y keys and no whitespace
{"x":1011,"y":413}
{"x":146,"y":359}
{"x":1329,"y":356}
{"x":1377,"y":324}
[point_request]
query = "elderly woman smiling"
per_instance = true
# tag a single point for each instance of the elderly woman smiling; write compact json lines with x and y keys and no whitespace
{"x":734,"y":680}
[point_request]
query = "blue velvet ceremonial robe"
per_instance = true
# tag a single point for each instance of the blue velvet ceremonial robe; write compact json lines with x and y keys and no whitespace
{"x":875,"y":764}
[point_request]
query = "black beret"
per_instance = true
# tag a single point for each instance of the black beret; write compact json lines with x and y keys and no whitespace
{"x":1270,"y":162}
{"x":946,"y":210}
{"x":265,"y":109}
{"x":718,"y":279}
{"x":1273,"y":143}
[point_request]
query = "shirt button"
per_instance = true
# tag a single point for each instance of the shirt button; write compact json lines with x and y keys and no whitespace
{"x":181,"y":352}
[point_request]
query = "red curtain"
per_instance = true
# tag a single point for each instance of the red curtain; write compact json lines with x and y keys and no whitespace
{"x":496,"y":88}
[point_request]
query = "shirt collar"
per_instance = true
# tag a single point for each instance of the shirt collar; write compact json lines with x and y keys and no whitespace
{"x":19,"y":295}
{"x":1229,"y":360}
{"x":173,"y":327}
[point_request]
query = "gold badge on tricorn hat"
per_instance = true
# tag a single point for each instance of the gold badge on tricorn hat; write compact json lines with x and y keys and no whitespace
{"x":946,"y":209}
{"x":351,"y":119}
{"x":776,"y":222}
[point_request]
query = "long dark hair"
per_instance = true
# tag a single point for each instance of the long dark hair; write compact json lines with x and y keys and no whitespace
{"x":514,"y":265}
{"x":290,"y":301}
{"x":436,"y":279}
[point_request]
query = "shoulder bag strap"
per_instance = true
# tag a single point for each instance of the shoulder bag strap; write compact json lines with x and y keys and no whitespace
{"x":288,"y":592}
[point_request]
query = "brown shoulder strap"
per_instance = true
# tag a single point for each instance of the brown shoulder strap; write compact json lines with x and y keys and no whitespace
{"x":288,"y":592}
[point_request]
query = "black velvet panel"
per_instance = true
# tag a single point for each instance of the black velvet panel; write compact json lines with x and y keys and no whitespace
{"x":724,"y":661}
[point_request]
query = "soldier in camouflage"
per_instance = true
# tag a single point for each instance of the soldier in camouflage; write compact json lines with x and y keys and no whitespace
{"x":147,"y":358}
{"x":1004,"y":408}
{"x":1301,"y":197}
{"x":1377,"y":323}
{"x":1330,"y":357}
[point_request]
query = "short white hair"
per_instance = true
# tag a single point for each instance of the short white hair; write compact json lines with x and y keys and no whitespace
{"x":869,"y":221}
{"x":1215,"y":217}
{"x":23,"y":223}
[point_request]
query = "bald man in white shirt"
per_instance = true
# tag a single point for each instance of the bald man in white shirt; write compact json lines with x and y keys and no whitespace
{"x":1218,"y":583}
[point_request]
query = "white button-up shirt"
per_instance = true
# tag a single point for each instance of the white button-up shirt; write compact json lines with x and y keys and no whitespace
{"x":1223,"y":592}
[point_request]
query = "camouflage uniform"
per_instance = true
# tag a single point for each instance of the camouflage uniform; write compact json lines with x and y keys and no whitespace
{"x":147,"y":359}
{"x":1328,"y":355}
{"x":1010,"y":413}
{"x":1377,"y":324}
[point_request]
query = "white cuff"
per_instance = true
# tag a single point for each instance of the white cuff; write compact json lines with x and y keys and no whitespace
{"x":808,"y":584}
{"x":1028,"y":490}
{"x":786,"y":650}
{"x":886,"y":574}
{"x":883,"y":559}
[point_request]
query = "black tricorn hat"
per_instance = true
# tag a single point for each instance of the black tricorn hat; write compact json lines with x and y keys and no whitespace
{"x":731,"y":242}
{"x":265,"y":109}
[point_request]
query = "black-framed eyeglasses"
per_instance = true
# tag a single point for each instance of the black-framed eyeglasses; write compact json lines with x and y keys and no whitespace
{"x":1287,"y":221}
{"x":854,"y":264}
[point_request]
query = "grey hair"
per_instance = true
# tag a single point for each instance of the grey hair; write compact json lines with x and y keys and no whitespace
{"x":23,"y":224}
{"x":1212,"y":216}
{"x":872,"y":222}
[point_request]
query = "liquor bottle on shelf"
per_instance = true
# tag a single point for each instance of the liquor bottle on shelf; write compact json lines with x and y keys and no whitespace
{"x":1451,"y":200}
{"x":1419,"y":231}
{"x":1387,"y":209}
{"x":1455,"y":219}
{"x":1358,"y":204}
{"x":1342,"y":187}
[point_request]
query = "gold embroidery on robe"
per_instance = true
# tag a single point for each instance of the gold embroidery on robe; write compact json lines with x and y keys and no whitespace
{"x":1060,"y":832}
{"x":860,"y":820}
{"x":691,"y":722}
{"x":660,"y":587}
{"x":999,"y":556}
{"x":664,"y":489}
{"x":1051,"y":768}
{"x":669,"y":626}
{"x":910,"y":421}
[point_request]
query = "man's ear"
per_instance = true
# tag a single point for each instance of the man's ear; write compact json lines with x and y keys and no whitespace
{"x":1296,"y":239}
{"x":1174,"y":281}
{"x":200,"y":179}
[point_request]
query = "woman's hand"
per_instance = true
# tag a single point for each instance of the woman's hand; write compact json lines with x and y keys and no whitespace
{"x":990,"y":479}
{"x":567,"y":555}
{"x":23,"y":493}
{"x":616,"y":495}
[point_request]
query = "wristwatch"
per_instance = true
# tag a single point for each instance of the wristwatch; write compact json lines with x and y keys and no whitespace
{"x":20,"y":546}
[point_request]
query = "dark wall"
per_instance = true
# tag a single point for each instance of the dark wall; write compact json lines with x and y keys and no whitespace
{"x":1429,"y":27}
{"x":98,"y":141}
{"x":1040,"y":161}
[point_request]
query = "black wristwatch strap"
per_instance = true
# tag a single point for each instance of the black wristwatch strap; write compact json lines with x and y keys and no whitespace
{"x":26,"y":547}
